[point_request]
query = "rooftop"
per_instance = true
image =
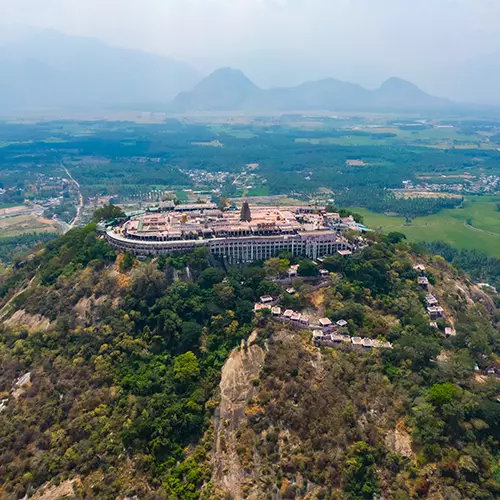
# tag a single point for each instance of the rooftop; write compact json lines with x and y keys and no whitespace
{"x":436,"y":309}
{"x":261,"y":307}
{"x":206,"y":221}
{"x":355,"y":163}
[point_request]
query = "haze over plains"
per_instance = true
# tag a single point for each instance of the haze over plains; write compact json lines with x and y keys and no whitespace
{"x":448,"y":47}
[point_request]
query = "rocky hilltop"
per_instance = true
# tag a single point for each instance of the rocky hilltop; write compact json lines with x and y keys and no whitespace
{"x":157,"y":380}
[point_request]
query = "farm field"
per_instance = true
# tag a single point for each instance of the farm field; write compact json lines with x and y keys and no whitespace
{"x":354,"y":140}
{"x":259,"y":191}
{"x":237,"y":132}
{"x":451,"y":225}
{"x":359,"y":158}
{"x":436,"y":138}
{"x":4,"y":206}
{"x":14,"y":226}
{"x":428,"y":134}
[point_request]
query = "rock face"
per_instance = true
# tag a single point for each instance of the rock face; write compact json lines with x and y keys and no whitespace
{"x":56,"y":492}
{"x":20,"y":385}
{"x":236,"y":389}
{"x":33,"y":322}
{"x":399,"y":441}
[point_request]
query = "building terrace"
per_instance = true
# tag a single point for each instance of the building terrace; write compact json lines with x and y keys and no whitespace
{"x":255,"y":233}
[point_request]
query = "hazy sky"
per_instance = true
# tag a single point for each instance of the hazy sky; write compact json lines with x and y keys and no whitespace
{"x":286,"y":41}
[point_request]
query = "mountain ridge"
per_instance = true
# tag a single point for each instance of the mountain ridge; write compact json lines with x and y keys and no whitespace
{"x":235,"y":91}
{"x":50,"y":69}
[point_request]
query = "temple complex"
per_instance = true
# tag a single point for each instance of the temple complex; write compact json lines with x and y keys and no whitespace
{"x":254,"y":233}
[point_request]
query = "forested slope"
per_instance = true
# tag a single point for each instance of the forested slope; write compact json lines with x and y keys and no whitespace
{"x":419,"y":421}
{"x":111,"y":367}
{"x":121,"y":380}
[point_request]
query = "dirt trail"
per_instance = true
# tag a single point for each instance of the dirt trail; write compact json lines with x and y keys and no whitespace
{"x":236,"y":388}
{"x":4,"y":311}
{"x":468,"y":226}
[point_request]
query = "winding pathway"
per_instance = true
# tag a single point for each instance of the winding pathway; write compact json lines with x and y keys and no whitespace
{"x":80,"y":198}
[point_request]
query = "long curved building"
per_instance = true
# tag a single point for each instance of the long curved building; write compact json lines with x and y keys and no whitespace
{"x":260,"y":233}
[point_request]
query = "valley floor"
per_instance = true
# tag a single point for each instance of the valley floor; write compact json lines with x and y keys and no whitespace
{"x":475,"y":227}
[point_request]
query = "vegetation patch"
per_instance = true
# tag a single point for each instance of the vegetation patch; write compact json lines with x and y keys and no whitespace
{"x":476,"y":226}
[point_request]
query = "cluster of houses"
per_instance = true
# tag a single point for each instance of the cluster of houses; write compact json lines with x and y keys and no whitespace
{"x":335,"y":339}
{"x":436,"y":312}
{"x":325,"y":333}
{"x":268,"y":303}
{"x":433,"y":308}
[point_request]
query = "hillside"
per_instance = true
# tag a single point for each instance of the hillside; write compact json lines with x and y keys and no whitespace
{"x":337,"y":423}
{"x":123,"y":378}
{"x":49,"y":69}
{"x":230,"y":90}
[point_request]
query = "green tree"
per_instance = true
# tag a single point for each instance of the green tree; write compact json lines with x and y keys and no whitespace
{"x":108,"y":213}
{"x":148,"y":282}
{"x":395,"y":237}
{"x":441,"y":394}
{"x":307,"y":268}
{"x":361,"y":479}
{"x":186,"y":367}
{"x":428,"y":430}
{"x":275,"y":266}
{"x":224,"y":293}
{"x":127,"y":262}
{"x":210,"y":276}
{"x":334,"y":263}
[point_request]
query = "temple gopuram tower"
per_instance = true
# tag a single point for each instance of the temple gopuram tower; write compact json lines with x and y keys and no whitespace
{"x":245,"y":216}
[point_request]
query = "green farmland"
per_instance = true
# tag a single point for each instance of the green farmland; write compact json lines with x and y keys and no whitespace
{"x":476,"y":226}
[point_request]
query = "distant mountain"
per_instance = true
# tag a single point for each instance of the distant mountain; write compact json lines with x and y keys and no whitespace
{"x":401,"y":94}
{"x":230,"y":90}
{"x":47,"y":68}
{"x":224,"y":89}
{"x":44,"y":68}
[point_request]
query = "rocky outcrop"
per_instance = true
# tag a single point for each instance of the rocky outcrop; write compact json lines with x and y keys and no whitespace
{"x":236,"y":389}
{"x":55,"y":492}
{"x":399,"y":441}
{"x":33,"y":322}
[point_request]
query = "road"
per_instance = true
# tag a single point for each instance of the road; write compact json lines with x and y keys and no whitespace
{"x":80,"y":198}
